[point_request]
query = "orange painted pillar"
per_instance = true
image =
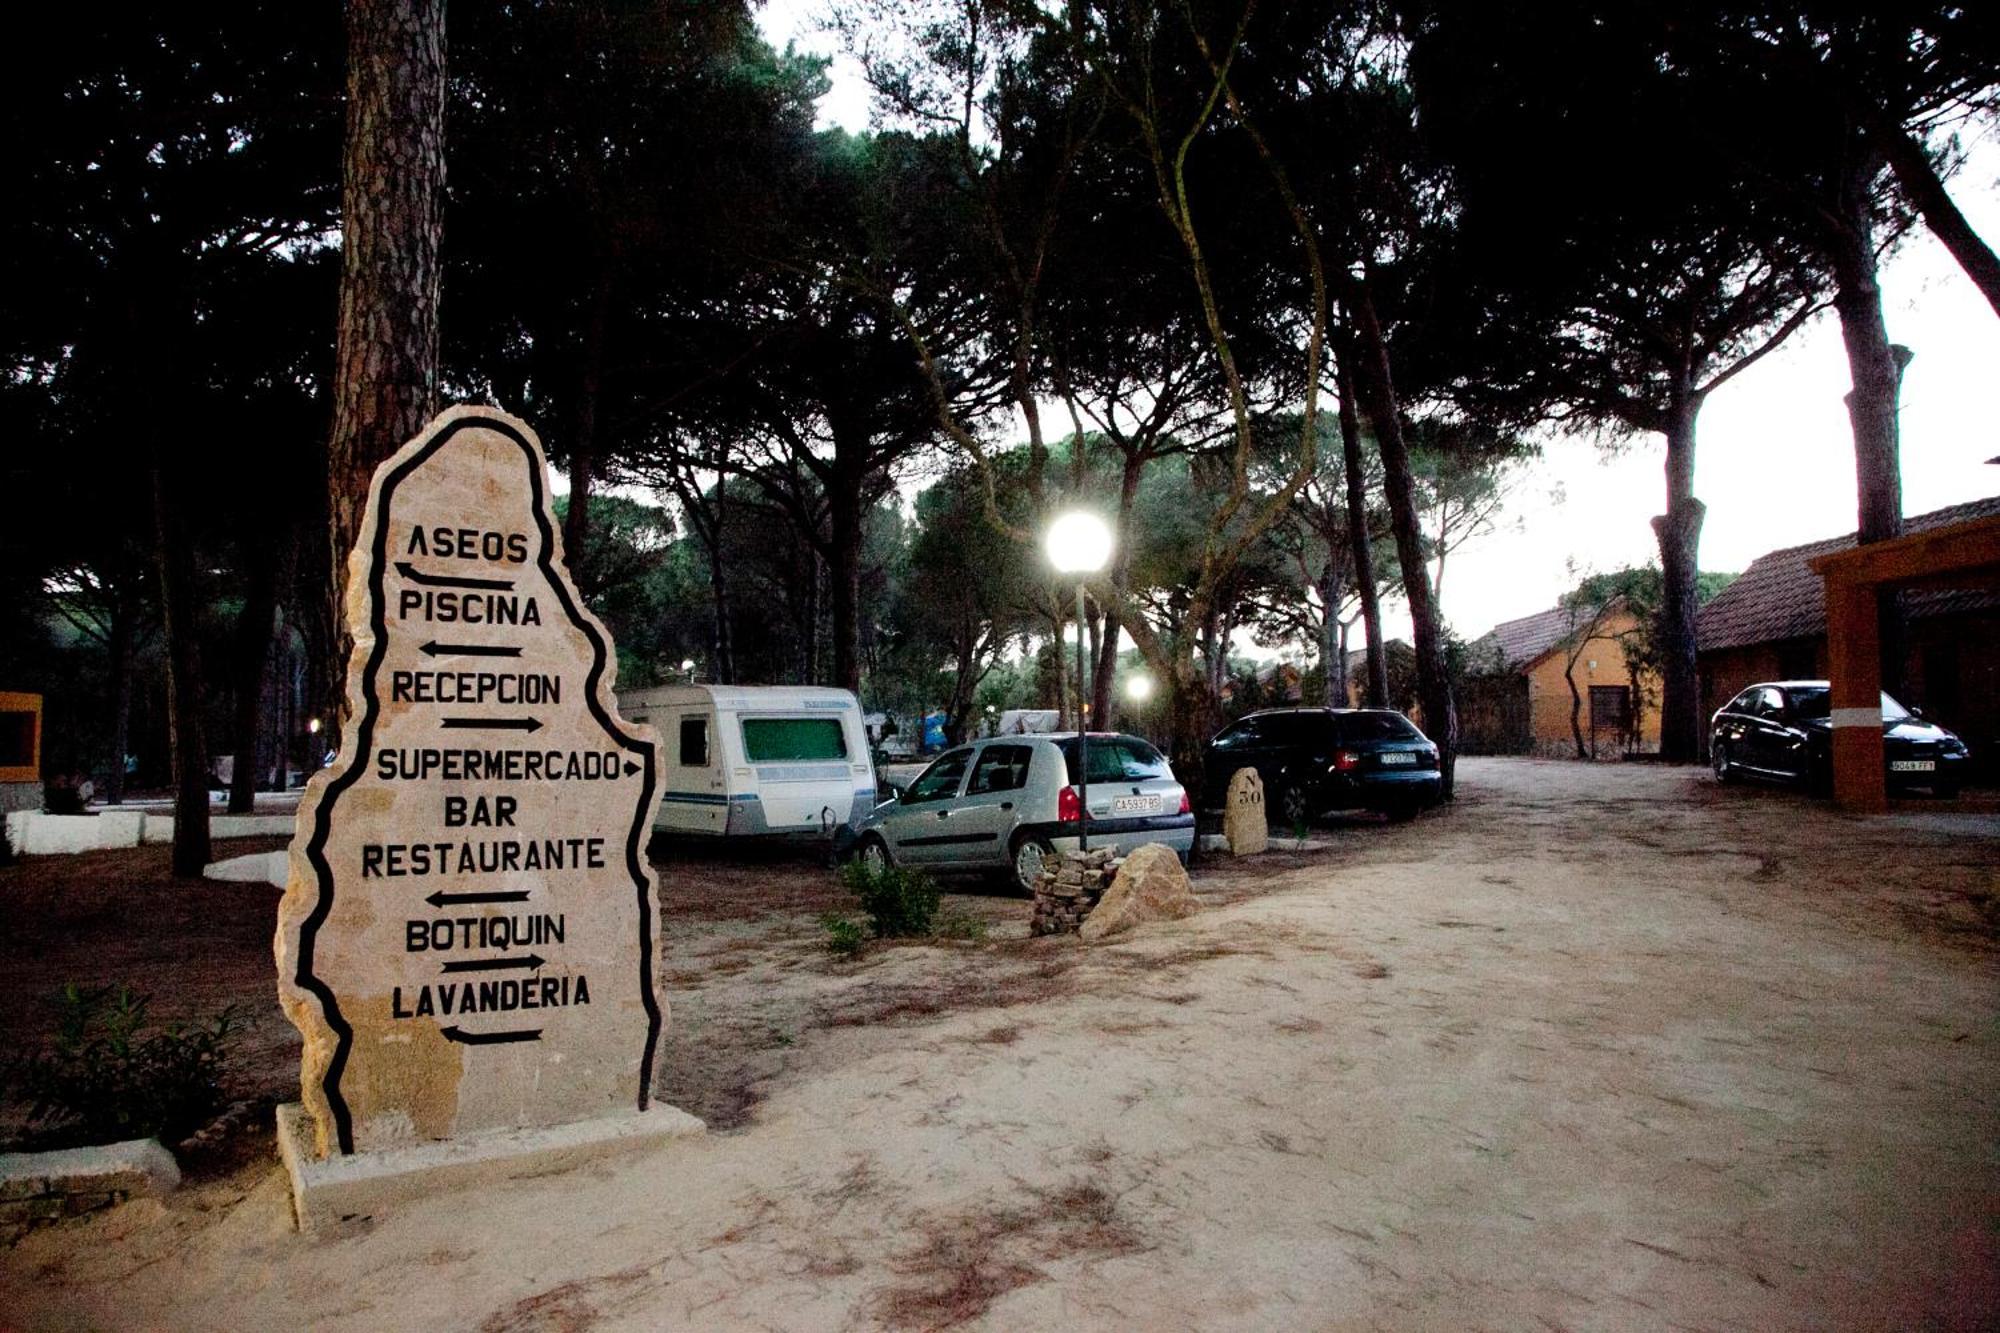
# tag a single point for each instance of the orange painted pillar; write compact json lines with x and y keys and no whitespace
{"x":1854,"y":662}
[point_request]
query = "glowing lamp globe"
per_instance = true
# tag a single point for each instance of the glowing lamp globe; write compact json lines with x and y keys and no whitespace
{"x":1079,"y":543}
{"x":1138,"y":689}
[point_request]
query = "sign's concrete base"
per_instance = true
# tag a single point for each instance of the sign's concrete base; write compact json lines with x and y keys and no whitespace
{"x":365,"y":1183}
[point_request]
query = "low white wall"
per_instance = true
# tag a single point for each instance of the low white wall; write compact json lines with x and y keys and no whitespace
{"x":258,"y":868}
{"x":33,"y":833}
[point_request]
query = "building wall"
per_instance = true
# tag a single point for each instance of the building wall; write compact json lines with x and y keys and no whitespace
{"x":1602,"y":662}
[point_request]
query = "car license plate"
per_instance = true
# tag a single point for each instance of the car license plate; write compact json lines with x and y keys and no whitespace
{"x":1135,"y":805}
{"x":1399,"y":757}
{"x":1913,"y":766}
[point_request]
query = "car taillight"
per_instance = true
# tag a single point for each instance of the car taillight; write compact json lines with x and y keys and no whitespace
{"x":1187,"y":807}
{"x":1069,"y":806}
{"x":1346,"y":760}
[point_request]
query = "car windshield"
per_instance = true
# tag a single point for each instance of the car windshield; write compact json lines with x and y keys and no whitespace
{"x":1816,"y":701}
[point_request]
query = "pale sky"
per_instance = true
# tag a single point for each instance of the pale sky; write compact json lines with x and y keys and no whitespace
{"x":1776,"y":458}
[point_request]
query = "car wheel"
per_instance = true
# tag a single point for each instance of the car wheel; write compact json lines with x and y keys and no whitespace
{"x":1294,"y":807}
{"x":873,"y":853}
{"x":1029,"y":853}
{"x":1725,"y":771}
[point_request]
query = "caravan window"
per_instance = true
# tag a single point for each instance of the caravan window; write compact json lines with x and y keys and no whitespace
{"x":694,"y":742}
{"x":777,"y":740}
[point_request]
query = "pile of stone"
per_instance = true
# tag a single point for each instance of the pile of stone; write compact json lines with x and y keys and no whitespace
{"x":1070,"y":886}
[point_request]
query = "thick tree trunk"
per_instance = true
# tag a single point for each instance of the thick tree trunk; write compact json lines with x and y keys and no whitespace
{"x":1106,"y":702}
{"x":1104,"y":656}
{"x":576,"y":515}
{"x":1333,"y":648}
{"x":1378,"y":397}
{"x":1357,"y":532}
{"x":845,"y":520}
{"x":1346,"y":695}
{"x":583,"y":442}
{"x":1191,"y":720}
{"x":725,"y":650}
{"x":1871,"y":403}
{"x":1049,"y":687}
{"x":256,"y":625}
{"x":392,"y":214}
{"x":124,"y":610}
{"x":1922,"y":187}
{"x":186,"y":735}
{"x":1679,"y":534}
{"x":725,"y":640}
{"x":809,"y":629}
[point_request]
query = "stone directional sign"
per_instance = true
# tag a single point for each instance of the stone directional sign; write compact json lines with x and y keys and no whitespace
{"x":467,"y":938}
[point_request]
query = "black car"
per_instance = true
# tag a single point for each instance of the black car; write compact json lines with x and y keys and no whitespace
{"x":1784,"y":729}
{"x":1317,"y":759}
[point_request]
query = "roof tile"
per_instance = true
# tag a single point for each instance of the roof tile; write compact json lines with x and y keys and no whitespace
{"x":1779,"y":597}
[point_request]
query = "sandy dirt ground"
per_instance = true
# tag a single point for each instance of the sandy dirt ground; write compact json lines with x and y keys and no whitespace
{"x":1598,"y":1047}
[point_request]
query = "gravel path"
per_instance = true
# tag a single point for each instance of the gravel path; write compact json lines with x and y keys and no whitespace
{"x":1598,"y":1047}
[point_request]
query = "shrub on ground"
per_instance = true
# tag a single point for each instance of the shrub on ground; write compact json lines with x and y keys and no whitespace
{"x":900,"y":902}
{"x":107,"y":1077}
{"x":844,"y":936}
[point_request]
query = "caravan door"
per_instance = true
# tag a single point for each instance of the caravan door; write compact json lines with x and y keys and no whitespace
{"x":694,"y":798}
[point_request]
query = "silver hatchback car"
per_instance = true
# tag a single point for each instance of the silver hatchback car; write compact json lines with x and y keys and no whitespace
{"x":1003,"y":803}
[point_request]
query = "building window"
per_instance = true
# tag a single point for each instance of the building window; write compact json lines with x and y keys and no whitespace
{"x":1610,"y":708}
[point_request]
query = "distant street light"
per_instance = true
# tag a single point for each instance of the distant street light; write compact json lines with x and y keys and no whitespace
{"x":1079,"y":543}
{"x":1138,"y":689}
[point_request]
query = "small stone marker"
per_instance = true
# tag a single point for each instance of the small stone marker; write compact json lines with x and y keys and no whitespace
{"x":1244,"y":825}
{"x":467,"y":938}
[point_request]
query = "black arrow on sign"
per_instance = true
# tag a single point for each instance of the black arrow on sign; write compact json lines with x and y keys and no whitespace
{"x":443,"y":899}
{"x":630,"y":768}
{"x":436,"y":649}
{"x":415,"y":575}
{"x":459,"y":1034}
{"x":493,"y":723}
{"x":532,"y":962}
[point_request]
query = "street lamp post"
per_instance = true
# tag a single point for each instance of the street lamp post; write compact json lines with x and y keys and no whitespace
{"x":1080,"y":544}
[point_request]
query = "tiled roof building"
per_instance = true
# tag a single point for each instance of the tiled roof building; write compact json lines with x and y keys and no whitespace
{"x":1770,"y":624}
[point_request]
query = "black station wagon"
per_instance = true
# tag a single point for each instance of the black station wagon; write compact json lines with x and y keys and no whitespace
{"x":1313,"y":760}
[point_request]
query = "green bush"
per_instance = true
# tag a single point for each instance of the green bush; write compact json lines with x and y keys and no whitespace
{"x":105,"y":1078}
{"x":900,"y":902}
{"x":844,"y":936}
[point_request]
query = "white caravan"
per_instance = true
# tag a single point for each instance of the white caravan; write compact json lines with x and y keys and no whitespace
{"x":745,"y":760}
